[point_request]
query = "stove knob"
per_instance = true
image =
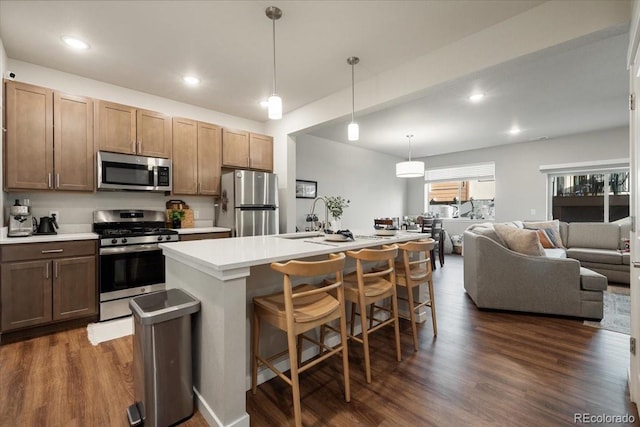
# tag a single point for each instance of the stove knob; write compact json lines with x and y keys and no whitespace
{"x":124,"y":240}
{"x":160,"y":238}
{"x":167,"y":238}
{"x":114,"y":241}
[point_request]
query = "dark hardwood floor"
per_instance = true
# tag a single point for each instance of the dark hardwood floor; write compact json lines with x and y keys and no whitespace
{"x":484,"y":368}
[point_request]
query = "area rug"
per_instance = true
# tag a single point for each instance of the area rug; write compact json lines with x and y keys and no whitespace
{"x":617,"y":313}
{"x":109,"y":330}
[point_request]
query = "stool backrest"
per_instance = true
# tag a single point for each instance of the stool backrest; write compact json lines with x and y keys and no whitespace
{"x":416,"y":258}
{"x":388,"y":253}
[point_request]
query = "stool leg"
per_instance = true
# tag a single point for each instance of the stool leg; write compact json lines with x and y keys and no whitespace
{"x":345,"y":355}
{"x":365,"y":339}
{"x":412,"y":317}
{"x":255,"y":335}
{"x":353,"y":318}
{"x":396,"y":323}
{"x":295,"y":385}
{"x":432,"y":305}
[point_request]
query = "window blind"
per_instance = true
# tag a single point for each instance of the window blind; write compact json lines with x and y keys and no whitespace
{"x":479,"y":171}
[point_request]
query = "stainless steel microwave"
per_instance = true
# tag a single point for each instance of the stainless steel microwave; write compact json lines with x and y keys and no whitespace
{"x":129,"y":172}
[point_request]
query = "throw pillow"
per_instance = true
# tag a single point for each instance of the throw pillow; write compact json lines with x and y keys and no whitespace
{"x":490,"y":233}
{"x":552,"y":228}
{"x":520,"y":240}
{"x":545,"y":240}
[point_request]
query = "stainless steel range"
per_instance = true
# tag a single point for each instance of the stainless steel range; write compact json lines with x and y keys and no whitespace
{"x":130,"y":263}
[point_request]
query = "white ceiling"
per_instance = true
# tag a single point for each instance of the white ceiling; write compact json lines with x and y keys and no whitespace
{"x":580,"y":87}
{"x":149,"y":45}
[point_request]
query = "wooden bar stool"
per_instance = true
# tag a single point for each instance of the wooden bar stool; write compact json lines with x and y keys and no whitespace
{"x":365,"y":289}
{"x":415,"y":270}
{"x":299,"y":310}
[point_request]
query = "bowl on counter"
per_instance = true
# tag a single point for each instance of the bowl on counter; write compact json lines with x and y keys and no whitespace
{"x":386,"y":232}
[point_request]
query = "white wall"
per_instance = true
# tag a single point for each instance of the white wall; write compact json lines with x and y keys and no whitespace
{"x":76,"y":209}
{"x":541,"y":27}
{"x":520,"y":186}
{"x":365,"y":177}
{"x":3,"y":70}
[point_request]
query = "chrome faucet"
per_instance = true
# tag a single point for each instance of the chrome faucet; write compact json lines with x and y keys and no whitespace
{"x":326,"y":213}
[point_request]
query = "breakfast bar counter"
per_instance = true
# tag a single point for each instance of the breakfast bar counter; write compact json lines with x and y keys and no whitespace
{"x":225,"y":274}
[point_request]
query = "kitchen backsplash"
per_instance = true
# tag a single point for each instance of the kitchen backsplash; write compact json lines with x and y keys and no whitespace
{"x":76,"y":210}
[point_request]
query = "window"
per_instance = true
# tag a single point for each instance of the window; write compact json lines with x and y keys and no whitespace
{"x":582,"y":197}
{"x":461,"y":192}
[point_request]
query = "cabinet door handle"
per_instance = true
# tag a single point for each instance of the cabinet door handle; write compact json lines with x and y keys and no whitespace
{"x":57,"y":180}
{"x":52,"y":251}
{"x":139,"y":147}
{"x":55,"y":269}
{"x":133,"y":146}
{"x":49,"y":180}
{"x":46,"y":271}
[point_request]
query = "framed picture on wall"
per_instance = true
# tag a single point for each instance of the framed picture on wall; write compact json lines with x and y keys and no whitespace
{"x":306,"y":189}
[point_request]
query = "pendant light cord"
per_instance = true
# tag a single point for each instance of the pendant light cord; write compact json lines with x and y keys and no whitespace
{"x":274,"y":56}
{"x":353,"y":92}
{"x":409,"y":136}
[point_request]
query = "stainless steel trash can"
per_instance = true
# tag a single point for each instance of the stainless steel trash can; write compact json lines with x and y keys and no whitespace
{"x":162,"y":380}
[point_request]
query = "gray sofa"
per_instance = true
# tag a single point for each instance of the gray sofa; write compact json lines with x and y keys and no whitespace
{"x":599,"y":247}
{"x":496,"y":277}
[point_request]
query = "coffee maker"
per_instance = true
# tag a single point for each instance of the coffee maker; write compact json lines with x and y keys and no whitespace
{"x":20,"y":221}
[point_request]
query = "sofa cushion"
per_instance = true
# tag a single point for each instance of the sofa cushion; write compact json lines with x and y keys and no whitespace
{"x":596,"y":235}
{"x":604,"y":256}
{"x":626,"y":258}
{"x":519,"y":240}
{"x":592,"y":281}
{"x":551,"y":228}
{"x":555,"y":253}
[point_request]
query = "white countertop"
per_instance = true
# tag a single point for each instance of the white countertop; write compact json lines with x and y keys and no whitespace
{"x":5,"y":240}
{"x":243,"y":252}
{"x":196,"y":230}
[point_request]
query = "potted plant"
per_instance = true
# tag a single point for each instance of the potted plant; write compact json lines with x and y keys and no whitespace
{"x":177,"y":215}
{"x":336,"y":206}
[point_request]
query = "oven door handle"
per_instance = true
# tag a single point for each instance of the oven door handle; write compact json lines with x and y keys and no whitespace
{"x":130,"y":249}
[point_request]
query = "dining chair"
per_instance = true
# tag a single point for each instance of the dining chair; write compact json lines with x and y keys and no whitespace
{"x":413,"y":271}
{"x":366,"y":288}
{"x":298,"y":310}
{"x":434,"y":227}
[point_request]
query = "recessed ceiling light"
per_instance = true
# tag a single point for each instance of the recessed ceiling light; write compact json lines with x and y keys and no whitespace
{"x":264,"y":103}
{"x":514,"y":130}
{"x":476,"y":97}
{"x":75,"y":43}
{"x":191,"y":80}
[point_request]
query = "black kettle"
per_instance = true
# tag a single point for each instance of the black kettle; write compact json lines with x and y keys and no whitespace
{"x":47,"y":225}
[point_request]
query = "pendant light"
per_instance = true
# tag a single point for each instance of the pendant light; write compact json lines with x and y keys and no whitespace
{"x":353,"y":130}
{"x":409,"y":169}
{"x":274,"y":101}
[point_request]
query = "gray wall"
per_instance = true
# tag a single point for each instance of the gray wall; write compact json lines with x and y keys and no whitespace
{"x":365,"y":177}
{"x":520,"y":186}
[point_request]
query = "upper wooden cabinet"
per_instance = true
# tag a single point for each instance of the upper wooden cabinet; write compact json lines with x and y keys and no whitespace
{"x":261,"y":152}
{"x":125,"y":129}
{"x":241,"y":149}
{"x":196,"y":157}
{"x":49,"y":141}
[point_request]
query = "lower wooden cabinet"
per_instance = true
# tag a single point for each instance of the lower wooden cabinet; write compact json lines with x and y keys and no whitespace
{"x":202,"y":236}
{"x":41,"y":285}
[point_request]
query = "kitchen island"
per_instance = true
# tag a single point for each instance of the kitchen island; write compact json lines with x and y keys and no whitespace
{"x":225,"y":274}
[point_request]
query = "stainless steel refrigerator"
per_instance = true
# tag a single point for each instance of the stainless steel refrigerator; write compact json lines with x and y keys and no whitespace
{"x":248,"y":203}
